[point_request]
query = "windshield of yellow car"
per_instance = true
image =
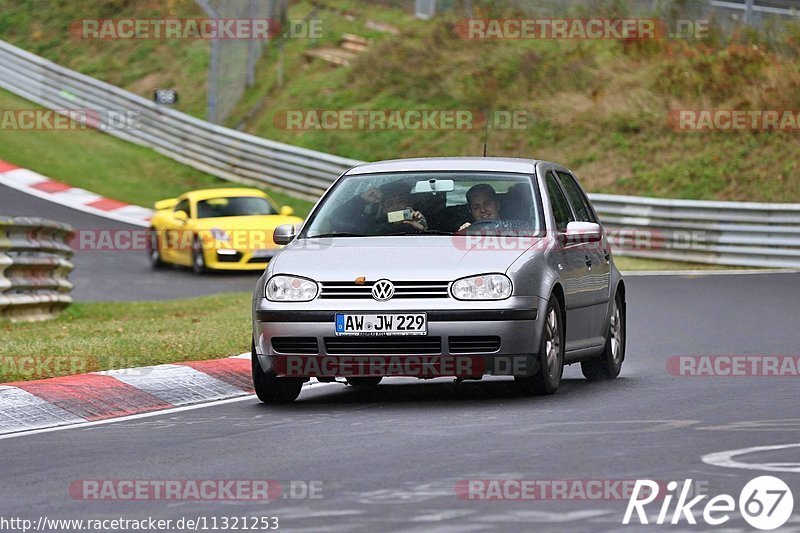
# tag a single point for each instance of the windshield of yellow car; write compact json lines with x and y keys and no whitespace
{"x":236,"y":206}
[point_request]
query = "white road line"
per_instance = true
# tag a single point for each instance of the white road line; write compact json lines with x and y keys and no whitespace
{"x":726,"y":459}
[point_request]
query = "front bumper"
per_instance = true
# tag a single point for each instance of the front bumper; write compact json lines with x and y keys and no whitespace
{"x":230,"y":259}
{"x":468,"y":342}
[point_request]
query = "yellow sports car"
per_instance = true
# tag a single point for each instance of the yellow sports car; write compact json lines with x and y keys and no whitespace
{"x":217,"y":229}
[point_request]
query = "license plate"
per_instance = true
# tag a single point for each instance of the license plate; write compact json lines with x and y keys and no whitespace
{"x":383,"y":324}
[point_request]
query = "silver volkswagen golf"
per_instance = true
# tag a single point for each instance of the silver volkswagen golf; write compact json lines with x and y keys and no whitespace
{"x":441,"y":267}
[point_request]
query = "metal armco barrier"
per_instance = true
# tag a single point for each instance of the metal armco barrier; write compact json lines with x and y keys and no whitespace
{"x":34,"y":265}
{"x":223,"y":152}
{"x":725,"y":233}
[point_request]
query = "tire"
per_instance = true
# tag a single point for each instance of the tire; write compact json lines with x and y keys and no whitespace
{"x":609,"y":364}
{"x":365,"y":382}
{"x":550,"y":356}
{"x":154,"y":251}
{"x":198,"y":258}
{"x":272,"y":389}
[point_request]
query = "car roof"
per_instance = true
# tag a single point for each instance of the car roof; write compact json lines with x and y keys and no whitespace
{"x":433,"y":164}
{"x":223,"y":192}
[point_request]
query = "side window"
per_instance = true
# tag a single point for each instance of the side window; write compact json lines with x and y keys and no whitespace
{"x":183,"y":205}
{"x":579,"y":201}
{"x":561,"y":211}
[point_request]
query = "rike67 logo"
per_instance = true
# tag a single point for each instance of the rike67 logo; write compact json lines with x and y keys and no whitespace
{"x":765,"y":503}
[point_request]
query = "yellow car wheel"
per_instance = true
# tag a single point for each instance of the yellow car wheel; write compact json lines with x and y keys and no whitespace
{"x":198,"y":258}
{"x":154,"y":252}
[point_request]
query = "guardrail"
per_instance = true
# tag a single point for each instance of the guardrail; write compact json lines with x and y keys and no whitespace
{"x":729,"y":233}
{"x":723,"y":233}
{"x":34,"y":265}
{"x":223,"y":152}
{"x":749,"y":7}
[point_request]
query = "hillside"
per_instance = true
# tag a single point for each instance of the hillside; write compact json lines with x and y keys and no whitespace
{"x":600,"y":107}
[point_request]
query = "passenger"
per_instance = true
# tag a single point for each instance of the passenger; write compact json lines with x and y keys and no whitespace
{"x":388,"y":198}
{"x":483,"y":204}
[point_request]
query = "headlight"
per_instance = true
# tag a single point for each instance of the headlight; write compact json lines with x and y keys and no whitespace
{"x":220,"y":235}
{"x":290,"y":289}
{"x":486,"y":287}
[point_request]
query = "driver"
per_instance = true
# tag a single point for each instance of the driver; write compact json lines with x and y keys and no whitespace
{"x":483,"y":204}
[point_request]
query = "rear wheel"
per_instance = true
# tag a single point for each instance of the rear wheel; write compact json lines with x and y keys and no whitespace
{"x":365,"y":381}
{"x":271,"y":388}
{"x":609,"y":364}
{"x":154,"y":250}
{"x":550,"y":358}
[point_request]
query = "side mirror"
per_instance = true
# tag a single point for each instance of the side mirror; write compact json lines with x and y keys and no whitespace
{"x":286,"y":211}
{"x":284,"y":234}
{"x":578,"y":232}
{"x":181,"y":215}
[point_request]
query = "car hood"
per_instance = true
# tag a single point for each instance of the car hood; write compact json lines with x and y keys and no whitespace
{"x":439,"y":258}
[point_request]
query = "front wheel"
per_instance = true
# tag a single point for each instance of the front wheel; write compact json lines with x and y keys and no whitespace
{"x":609,"y":364}
{"x":154,"y":251}
{"x":271,"y":388}
{"x":550,"y":357}
{"x":198,"y":258}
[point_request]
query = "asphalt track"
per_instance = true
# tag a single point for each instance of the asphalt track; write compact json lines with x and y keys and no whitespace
{"x":106,"y":275}
{"x":391,"y":459}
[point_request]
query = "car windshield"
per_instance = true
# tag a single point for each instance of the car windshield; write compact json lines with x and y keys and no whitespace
{"x":235,"y":206}
{"x":431,"y":203}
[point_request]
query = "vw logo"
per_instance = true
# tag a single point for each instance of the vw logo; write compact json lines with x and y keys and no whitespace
{"x":383,"y":290}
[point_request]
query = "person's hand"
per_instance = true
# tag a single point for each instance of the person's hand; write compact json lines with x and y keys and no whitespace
{"x":372,"y":196}
{"x":417,"y":221}
{"x":464,"y":226}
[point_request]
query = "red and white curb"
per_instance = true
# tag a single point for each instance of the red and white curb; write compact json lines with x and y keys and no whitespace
{"x":67,"y":400}
{"x":87,"y":399}
{"x":35,"y":184}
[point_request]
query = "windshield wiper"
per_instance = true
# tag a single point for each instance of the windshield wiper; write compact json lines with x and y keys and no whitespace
{"x":418,"y":233}
{"x":335,"y":234}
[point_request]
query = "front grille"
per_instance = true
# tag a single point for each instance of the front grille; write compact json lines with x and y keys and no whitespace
{"x":304,"y":345}
{"x":474,"y":344}
{"x":402,"y":289}
{"x":383,"y":345}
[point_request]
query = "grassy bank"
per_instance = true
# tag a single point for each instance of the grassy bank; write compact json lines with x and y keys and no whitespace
{"x":599,"y":107}
{"x":89,"y":337}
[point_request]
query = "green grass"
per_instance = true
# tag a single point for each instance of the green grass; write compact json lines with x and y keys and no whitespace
{"x":137,"y":65}
{"x":88,"y":337}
